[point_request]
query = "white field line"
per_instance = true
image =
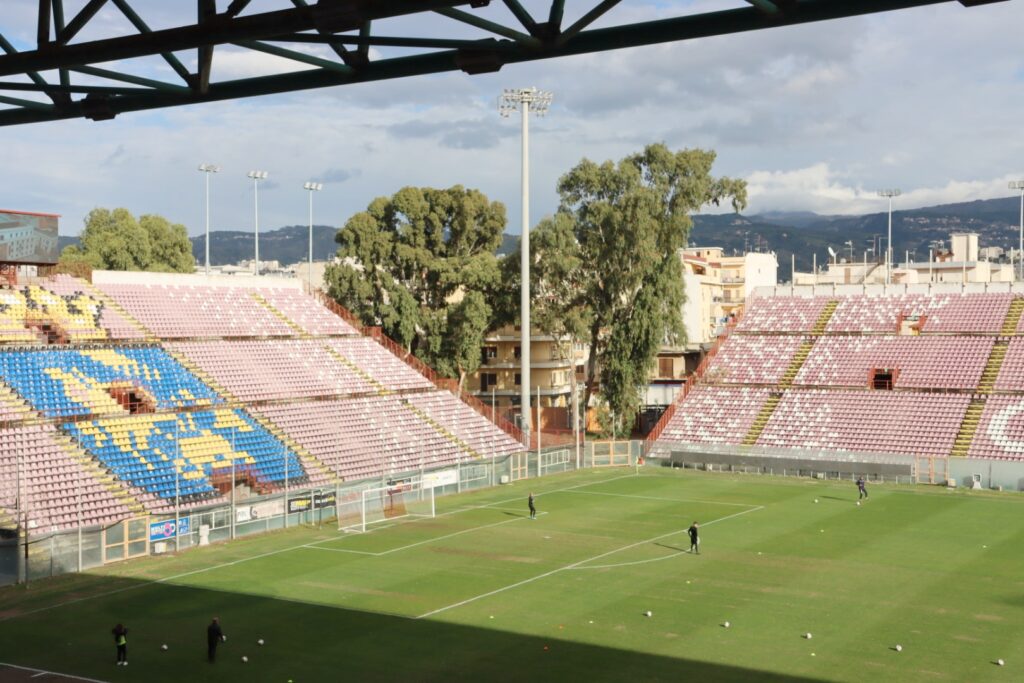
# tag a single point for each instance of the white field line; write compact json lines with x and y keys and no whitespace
{"x":168,"y":579}
{"x":44,"y":672}
{"x":669,"y":500}
{"x":313,"y":546}
{"x":675,"y":554}
{"x":573,"y":565}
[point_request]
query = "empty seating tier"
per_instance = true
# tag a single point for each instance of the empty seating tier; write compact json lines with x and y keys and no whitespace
{"x":457,"y":418}
{"x":914,"y":362}
{"x":56,"y":491}
{"x":713,"y":415}
{"x":380,"y":364}
{"x":867,"y":421}
{"x":276,"y":369}
{"x":1011,"y":375}
{"x":1001,"y":429}
{"x":179,"y":455}
{"x":358,"y":438}
{"x":752,"y":359}
{"x":183,"y":312}
{"x":68,"y":382}
{"x":306,"y":312}
{"x":786,"y":314}
{"x":966,"y":313}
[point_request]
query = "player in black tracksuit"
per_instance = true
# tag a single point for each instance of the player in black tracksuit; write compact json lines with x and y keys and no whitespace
{"x":533,"y":508}
{"x":862,"y":489}
{"x":694,"y":538}
{"x":214,"y":636}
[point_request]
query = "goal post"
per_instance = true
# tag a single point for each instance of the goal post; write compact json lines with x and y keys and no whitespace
{"x":387,"y":503}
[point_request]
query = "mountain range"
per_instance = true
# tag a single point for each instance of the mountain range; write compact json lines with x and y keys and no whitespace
{"x":797,"y":233}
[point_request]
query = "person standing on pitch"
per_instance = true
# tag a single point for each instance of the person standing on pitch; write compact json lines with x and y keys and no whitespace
{"x":121,"y":641}
{"x":533,"y":508}
{"x":694,"y":538}
{"x":862,"y":490}
{"x":214,"y":637}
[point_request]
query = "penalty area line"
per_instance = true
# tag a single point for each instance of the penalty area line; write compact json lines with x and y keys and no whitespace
{"x":313,"y":546}
{"x":43,"y":672}
{"x":574,"y":565}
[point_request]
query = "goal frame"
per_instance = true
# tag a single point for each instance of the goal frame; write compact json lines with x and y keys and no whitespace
{"x":400,"y":500}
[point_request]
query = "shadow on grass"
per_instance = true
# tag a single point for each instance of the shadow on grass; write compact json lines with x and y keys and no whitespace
{"x":309,"y":642}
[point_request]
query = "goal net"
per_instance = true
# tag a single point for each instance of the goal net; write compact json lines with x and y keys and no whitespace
{"x":386,"y":503}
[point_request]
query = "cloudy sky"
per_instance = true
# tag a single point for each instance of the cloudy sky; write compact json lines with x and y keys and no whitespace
{"x":814,"y":117}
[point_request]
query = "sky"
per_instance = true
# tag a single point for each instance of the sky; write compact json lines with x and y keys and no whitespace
{"x":814,"y":118}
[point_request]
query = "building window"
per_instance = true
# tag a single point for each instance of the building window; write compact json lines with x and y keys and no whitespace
{"x":519,"y":379}
{"x":666,"y":367}
{"x":488,"y":380}
{"x":488,"y":353}
{"x":518,"y":352}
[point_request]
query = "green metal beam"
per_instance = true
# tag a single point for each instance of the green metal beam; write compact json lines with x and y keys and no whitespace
{"x":497,"y":52}
{"x":522,"y":15}
{"x":586,"y":20}
{"x":143,"y":28}
{"x":335,"y":15}
{"x":129,"y":78}
{"x":80,"y":20}
{"x":490,"y":26}
{"x":295,"y":56}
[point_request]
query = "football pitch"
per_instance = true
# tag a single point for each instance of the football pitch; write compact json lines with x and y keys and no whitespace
{"x":481,"y":592}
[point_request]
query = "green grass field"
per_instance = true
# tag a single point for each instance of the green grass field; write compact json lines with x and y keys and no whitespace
{"x":482,"y":593}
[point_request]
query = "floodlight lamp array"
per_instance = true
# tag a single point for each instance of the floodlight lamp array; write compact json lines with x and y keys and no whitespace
{"x":889,"y":193}
{"x":313,"y":187}
{"x":538,"y":101}
{"x":209,"y":168}
{"x":258,"y":175}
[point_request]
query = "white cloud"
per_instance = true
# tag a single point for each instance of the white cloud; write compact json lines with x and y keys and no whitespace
{"x":819,"y":188}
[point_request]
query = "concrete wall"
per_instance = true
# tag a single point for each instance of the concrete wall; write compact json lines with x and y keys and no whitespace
{"x":1008,"y":474}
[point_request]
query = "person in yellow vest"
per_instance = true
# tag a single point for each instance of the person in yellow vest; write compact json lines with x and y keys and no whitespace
{"x":121,"y":640}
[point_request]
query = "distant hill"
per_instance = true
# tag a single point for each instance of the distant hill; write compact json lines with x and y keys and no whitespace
{"x":785,"y":232}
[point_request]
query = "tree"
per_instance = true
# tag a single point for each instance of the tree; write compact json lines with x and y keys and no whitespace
{"x":630,"y":219}
{"x":115,"y":240}
{"x":557,"y":305}
{"x":417,"y":264}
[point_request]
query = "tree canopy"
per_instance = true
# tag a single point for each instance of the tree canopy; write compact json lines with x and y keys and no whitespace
{"x":115,"y":240}
{"x":417,"y":263}
{"x":629,"y":220}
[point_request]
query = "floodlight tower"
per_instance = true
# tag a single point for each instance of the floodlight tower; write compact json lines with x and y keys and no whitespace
{"x":257,"y":176}
{"x":1019,"y":185}
{"x":207,"y":169}
{"x":525,"y":100}
{"x":888,"y":244}
{"x":311,"y":187}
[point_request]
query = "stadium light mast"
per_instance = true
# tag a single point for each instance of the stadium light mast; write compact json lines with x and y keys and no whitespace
{"x":257,"y":176}
{"x":311,"y":187}
{"x":207,"y":169}
{"x":525,"y":100}
{"x":888,"y":244}
{"x":1019,"y":185}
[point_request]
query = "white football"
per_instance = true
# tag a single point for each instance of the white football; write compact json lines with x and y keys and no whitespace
{"x":164,"y":646}
{"x":259,"y":642}
{"x":647,"y":613}
{"x":726,"y":624}
{"x":899,"y":648}
{"x":815,"y":500}
{"x":1000,"y":662}
{"x":858,"y":503}
{"x":808,"y":636}
{"x":244,"y":658}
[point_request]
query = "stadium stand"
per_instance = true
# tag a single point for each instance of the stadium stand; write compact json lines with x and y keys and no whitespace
{"x":150,"y":397}
{"x":932,"y":375}
{"x":55,"y":481}
{"x":187,"y":312}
